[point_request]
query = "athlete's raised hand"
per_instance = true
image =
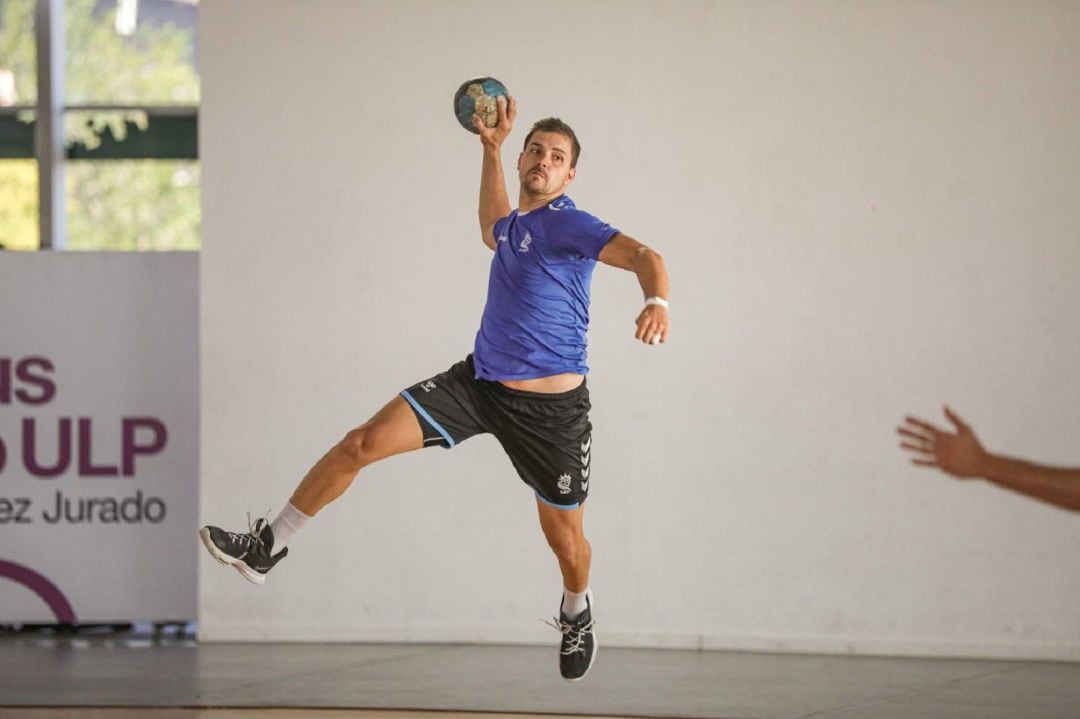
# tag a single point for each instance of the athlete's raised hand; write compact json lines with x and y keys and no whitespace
{"x":494,"y":136}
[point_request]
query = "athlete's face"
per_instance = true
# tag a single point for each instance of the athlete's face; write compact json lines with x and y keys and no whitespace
{"x":544,"y":167}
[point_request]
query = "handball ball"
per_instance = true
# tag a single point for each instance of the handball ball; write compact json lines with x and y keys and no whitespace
{"x":477,"y":97}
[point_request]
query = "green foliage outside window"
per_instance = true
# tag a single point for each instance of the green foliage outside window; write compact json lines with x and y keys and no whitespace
{"x":18,"y":205}
{"x":111,"y":204}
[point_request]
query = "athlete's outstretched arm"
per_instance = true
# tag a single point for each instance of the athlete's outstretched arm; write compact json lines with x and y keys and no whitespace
{"x":494,"y":203}
{"x":962,"y":455}
{"x":626,"y":253}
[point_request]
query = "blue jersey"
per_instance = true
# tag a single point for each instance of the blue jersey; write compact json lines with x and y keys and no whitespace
{"x":537,"y":310}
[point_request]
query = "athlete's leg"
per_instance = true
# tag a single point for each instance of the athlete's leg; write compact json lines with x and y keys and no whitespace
{"x":394,"y":429}
{"x":565,"y":534}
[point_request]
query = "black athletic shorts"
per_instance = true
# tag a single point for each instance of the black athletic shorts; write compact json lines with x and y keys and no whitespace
{"x":548,"y":437}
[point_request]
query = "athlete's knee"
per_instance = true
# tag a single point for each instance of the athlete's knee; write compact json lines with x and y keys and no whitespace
{"x":569,"y":545}
{"x":359,"y":447}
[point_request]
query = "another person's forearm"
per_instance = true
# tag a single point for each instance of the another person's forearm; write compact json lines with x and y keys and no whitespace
{"x":494,"y":203}
{"x":1057,"y":485}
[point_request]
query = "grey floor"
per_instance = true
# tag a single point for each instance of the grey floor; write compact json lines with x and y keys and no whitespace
{"x":44,"y":678}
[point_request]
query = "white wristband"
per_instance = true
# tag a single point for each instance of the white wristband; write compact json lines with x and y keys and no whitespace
{"x":656,"y":301}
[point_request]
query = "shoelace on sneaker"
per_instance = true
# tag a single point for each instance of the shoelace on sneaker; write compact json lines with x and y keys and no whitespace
{"x":575,"y":635}
{"x":249,"y":540}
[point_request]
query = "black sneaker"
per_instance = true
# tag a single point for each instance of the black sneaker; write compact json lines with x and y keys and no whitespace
{"x":251,"y":553}
{"x":578,"y":648}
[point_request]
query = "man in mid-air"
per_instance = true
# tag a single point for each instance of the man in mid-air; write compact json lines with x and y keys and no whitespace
{"x":524,"y":382}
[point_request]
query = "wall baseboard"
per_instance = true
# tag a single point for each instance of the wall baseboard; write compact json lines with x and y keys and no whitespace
{"x":935,"y":648}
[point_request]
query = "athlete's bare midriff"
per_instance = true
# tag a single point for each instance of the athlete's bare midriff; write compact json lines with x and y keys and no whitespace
{"x":548,"y":385}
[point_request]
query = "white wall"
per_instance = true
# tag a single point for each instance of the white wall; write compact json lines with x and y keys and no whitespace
{"x":867,"y":209}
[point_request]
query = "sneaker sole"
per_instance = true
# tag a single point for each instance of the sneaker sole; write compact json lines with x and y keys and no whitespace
{"x":238,"y":564}
{"x":595,"y":651}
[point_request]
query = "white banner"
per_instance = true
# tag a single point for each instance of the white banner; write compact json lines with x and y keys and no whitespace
{"x":98,"y":436}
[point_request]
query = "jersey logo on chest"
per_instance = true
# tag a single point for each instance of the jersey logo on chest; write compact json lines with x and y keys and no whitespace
{"x":525,"y":242}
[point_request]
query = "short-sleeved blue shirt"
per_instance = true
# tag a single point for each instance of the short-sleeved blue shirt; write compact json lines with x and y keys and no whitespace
{"x":537,"y":311}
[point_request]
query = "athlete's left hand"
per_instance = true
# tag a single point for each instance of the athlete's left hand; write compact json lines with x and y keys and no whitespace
{"x":652,"y":322}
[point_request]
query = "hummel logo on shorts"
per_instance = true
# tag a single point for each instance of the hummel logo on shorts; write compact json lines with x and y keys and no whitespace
{"x":585,"y":457}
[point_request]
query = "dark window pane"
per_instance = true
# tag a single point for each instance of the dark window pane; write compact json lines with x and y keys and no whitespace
{"x":160,"y":133}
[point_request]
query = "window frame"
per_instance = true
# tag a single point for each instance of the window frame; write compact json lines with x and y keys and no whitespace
{"x":171,"y":132}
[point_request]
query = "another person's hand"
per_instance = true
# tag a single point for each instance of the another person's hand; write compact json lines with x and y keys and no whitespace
{"x":958,"y":453}
{"x":494,"y":136}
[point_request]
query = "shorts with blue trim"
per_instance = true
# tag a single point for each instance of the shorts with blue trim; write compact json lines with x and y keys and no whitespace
{"x":548,"y":437}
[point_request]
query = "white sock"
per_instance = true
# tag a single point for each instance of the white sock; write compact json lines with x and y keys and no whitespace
{"x":290,"y":521}
{"x":574,"y":603}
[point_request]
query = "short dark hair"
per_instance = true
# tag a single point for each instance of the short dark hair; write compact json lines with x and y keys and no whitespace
{"x":554,"y":124}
